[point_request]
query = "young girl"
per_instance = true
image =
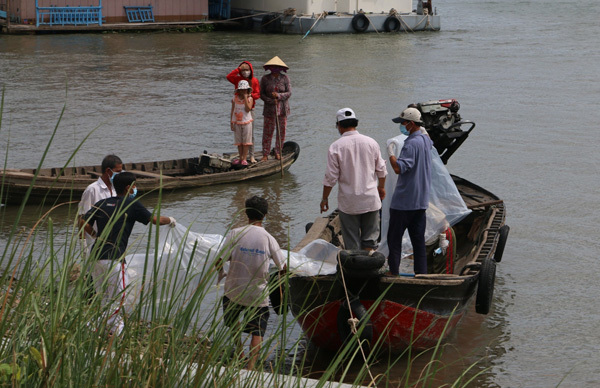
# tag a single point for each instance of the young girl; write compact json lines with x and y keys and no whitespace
{"x":241,"y":120}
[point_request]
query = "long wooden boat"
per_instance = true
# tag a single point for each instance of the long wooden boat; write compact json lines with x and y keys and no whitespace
{"x":397,"y":312}
{"x":51,"y":185}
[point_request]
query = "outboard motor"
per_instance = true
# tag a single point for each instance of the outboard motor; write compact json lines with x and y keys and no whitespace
{"x":444,"y":125}
{"x":211,"y":163}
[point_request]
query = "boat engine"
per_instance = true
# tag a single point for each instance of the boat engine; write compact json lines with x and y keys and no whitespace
{"x":211,"y":163}
{"x":444,"y":125}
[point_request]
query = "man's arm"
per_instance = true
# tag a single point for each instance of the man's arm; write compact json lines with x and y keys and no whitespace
{"x":381,"y":188}
{"x":163,"y":220}
{"x":325,"y":198}
{"x":394,"y":164}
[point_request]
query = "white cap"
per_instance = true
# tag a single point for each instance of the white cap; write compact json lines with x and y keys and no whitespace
{"x":344,"y":114}
{"x":243,"y":84}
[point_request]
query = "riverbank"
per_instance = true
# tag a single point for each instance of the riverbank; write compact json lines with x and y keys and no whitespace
{"x":193,"y":26}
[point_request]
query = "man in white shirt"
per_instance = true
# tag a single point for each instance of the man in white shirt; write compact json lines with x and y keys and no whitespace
{"x":101,"y":189}
{"x":354,"y":161}
{"x":249,"y":249}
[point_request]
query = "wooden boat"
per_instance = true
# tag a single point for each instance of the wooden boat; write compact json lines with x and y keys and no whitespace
{"x":418,"y":311}
{"x":51,"y":185}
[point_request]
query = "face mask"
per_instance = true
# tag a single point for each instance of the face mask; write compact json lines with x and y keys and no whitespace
{"x":404,"y":130}
{"x":132,"y":195}
{"x":112,"y":177}
{"x":246,"y":73}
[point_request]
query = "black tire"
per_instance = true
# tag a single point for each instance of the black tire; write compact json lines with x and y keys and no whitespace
{"x":249,"y":22}
{"x":392,"y":24}
{"x":276,"y":293}
{"x":360,"y":260}
{"x":361,"y":273}
{"x":308,"y":226}
{"x":360,"y":22}
{"x":503,"y":233}
{"x":485,"y":286}
{"x":360,"y":312}
{"x":290,"y":146}
{"x":271,"y":23}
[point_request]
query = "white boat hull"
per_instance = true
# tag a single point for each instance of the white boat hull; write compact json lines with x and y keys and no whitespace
{"x":335,"y":23}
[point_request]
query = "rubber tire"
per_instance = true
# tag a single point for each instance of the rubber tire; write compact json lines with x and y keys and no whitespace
{"x":274,"y":295}
{"x":248,"y":23}
{"x":361,"y":273}
{"x":360,"y":22}
{"x":360,"y":260}
{"x":269,"y":24}
{"x":308,"y":226}
{"x":359,"y":312}
{"x":292,"y":147}
{"x":392,"y":21}
{"x":485,"y":286}
{"x":503,"y":232}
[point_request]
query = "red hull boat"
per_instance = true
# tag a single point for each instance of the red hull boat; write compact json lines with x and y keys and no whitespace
{"x":397,"y":312}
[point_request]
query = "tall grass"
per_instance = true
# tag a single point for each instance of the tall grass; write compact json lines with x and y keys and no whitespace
{"x":54,"y":334}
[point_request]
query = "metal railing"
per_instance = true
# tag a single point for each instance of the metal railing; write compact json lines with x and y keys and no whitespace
{"x":61,"y":16}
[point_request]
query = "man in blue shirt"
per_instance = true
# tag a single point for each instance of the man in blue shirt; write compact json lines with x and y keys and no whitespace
{"x":411,"y":196}
{"x":114,"y":218}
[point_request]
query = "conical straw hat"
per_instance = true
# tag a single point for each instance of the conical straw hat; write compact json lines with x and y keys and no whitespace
{"x":276,"y":61}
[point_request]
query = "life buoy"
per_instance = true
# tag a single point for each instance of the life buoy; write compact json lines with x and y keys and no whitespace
{"x":503,"y":236}
{"x":364,"y":326}
{"x":392,"y":24}
{"x":361,"y":260}
{"x":485,"y":286}
{"x":360,"y":22}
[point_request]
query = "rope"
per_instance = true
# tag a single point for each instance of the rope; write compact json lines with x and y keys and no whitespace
{"x":353,"y":321}
{"x":370,"y":22}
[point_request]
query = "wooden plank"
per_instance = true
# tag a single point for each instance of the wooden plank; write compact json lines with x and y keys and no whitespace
{"x":315,"y":232}
{"x":147,"y":174}
{"x":485,"y":204}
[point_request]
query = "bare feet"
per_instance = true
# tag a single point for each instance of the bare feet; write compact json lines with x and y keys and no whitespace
{"x":252,"y":160}
{"x":278,"y":157}
{"x":264,"y":158}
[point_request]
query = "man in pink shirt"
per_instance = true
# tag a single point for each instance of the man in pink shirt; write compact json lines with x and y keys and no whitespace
{"x":354,"y":161}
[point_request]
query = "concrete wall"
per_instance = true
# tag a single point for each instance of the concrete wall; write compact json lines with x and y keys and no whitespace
{"x":318,"y":6}
{"x":112,"y":10}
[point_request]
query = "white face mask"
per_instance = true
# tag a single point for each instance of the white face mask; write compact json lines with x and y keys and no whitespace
{"x":245,"y":73}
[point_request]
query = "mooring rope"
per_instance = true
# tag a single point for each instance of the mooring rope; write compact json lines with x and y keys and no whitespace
{"x":353,"y":321}
{"x":370,"y":22}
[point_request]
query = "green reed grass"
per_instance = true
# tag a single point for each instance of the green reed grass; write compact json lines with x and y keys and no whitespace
{"x":53,"y":334}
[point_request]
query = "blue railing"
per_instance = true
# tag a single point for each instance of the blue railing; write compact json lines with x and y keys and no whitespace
{"x":61,"y":16}
{"x":139,"y":14}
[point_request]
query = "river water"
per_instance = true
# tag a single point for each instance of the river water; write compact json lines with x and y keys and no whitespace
{"x":525,"y":71}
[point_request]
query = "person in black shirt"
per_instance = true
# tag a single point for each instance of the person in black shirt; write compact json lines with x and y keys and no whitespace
{"x":114,"y":218}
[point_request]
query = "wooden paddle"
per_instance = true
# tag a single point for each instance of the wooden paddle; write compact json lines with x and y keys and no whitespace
{"x":278,"y":135}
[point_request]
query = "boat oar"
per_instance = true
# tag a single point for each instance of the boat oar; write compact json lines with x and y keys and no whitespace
{"x":278,"y":136}
{"x":311,"y":27}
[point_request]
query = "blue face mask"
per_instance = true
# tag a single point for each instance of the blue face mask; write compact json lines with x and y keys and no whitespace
{"x":132,"y":195}
{"x":112,"y":177}
{"x":403,"y":130}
